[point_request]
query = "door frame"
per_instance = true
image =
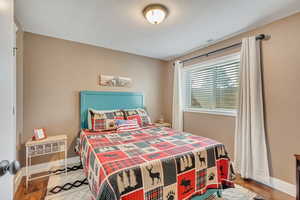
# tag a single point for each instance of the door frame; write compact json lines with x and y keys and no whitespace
{"x":7,"y":134}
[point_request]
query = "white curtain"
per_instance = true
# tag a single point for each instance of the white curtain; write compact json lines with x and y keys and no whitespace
{"x":177,"y":115}
{"x":251,"y":159}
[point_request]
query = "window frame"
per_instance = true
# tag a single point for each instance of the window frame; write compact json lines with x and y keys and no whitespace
{"x":203,"y":65}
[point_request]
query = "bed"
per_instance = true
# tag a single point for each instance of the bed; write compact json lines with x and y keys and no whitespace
{"x":154,"y":163}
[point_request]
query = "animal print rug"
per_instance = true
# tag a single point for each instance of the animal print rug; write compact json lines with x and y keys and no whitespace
{"x":83,"y":192}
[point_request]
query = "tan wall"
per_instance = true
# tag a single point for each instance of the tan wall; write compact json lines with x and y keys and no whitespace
{"x":56,"y":70}
{"x":281,"y":74}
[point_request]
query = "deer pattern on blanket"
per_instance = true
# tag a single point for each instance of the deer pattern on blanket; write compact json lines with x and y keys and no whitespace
{"x":155,"y":163}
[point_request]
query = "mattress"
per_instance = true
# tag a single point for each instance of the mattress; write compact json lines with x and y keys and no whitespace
{"x":154,"y":163}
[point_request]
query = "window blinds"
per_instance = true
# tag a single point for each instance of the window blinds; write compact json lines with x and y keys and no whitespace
{"x":212,"y":86}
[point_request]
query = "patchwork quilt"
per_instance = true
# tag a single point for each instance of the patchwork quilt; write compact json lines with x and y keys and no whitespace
{"x":154,"y":163}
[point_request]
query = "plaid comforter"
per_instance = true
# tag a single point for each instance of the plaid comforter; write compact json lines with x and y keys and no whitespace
{"x":155,"y":163}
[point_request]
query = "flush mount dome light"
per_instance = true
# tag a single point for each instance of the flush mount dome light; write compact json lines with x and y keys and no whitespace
{"x":155,"y":13}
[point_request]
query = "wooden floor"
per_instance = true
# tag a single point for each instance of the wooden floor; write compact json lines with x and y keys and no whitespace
{"x":37,"y":190}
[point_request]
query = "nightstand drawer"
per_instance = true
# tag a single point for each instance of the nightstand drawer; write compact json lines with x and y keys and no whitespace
{"x":42,"y":149}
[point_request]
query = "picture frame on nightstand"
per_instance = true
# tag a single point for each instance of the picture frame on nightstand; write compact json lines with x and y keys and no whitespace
{"x":39,"y":133}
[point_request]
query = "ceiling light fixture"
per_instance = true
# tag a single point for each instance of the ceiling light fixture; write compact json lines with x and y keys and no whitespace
{"x":155,"y":13}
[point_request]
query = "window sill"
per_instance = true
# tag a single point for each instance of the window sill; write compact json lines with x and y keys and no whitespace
{"x":212,"y":112}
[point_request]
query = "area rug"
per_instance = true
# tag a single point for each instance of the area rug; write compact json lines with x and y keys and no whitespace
{"x":75,"y":193}
{"x":83,"y":193}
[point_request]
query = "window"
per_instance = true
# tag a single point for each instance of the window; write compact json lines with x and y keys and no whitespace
{"x":212,"y":86}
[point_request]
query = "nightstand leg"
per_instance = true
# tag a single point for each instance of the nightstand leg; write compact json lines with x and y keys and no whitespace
{"x":66,"y":163}
{"x":27,"y":170}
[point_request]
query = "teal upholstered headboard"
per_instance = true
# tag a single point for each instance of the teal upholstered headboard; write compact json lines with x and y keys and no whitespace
{"x":107,"y":101}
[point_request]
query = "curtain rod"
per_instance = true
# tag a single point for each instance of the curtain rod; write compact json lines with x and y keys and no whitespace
{"x":259,"y":37}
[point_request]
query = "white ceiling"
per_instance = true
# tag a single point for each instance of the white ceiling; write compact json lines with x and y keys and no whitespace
{"x":120,"y":25}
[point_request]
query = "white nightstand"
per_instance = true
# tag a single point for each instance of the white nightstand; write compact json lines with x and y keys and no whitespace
{"x":50,"y":145}
{"x":162,"y":124}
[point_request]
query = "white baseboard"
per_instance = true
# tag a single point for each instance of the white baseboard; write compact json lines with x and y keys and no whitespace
{"x":41,"y":168}
{"x":283,"y":186}
{"x":276,"y":184}
{"x":17,"y":179}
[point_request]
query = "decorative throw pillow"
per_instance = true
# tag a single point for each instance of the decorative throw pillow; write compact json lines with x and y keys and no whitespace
{"x":103,"y":124}
{"x":105,"y":120}
{"x":139,"y":114}
{"x":91,"y":113}
{"x":127,"y":125}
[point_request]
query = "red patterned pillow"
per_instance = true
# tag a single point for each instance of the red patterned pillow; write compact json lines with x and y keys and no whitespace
{"x":103,"y":124}
{"x":139,"y":114}
{"x":105,"y":120}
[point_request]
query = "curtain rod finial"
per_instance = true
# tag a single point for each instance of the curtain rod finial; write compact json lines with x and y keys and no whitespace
{"x":263,"y":37}
{"x":179,"y":61}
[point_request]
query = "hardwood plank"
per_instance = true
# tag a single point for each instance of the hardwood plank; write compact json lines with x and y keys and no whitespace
{"x":36,"y":190}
